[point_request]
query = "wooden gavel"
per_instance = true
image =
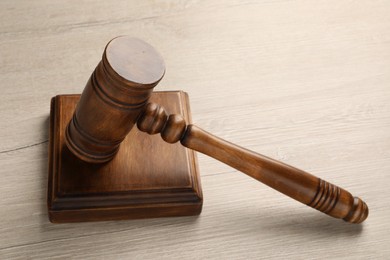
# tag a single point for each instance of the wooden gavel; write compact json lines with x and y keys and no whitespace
{"x":116,"y":97}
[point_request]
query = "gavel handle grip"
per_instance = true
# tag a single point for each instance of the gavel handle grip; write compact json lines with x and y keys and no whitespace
{"x":295,"y":183}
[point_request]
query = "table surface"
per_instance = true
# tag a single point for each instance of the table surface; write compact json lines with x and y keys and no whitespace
{"x":305,"y":83}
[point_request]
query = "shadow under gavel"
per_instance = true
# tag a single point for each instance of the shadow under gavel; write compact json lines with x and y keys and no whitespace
{"x":116,"y":98}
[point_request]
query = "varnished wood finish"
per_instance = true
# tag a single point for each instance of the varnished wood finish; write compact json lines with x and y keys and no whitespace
{"x":146,"y":178}
{"x":114,"y":96}
{"x":118,"y":91}
{"x":291,"y":181}
{"x":305,"y":82}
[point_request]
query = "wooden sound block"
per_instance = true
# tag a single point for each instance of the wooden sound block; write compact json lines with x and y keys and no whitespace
{"x":147,"y":178}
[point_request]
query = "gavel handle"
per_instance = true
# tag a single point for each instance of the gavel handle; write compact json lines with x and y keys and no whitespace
{"x":295,"y":183}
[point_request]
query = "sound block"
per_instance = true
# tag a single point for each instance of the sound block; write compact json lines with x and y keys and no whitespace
{"x":147,"y":178}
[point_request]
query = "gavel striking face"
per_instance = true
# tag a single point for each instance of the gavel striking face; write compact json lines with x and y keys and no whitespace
{"x":116,"y":97}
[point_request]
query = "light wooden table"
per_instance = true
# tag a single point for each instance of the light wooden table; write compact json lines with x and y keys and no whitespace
{"x":305,"y":82}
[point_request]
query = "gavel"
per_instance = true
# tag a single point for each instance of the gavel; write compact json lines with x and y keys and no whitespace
{"x":116,"y":98}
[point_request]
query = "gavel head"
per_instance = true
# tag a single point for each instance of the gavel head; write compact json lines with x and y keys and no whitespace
{"x":113,"y":98}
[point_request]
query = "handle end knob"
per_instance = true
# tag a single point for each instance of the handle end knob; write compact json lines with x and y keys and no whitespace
{"x":358,"y":213}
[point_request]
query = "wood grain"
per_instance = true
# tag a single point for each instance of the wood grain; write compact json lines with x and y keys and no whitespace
{"x":305,"y":83}
{"x":147,"y":178}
